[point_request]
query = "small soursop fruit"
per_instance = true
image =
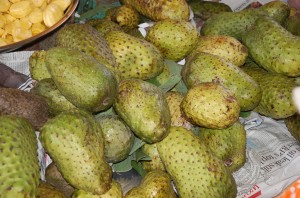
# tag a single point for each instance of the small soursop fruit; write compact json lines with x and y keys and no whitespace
{"x":211,"y":105}
{"x":118,"y":137}
{"x":194,"y":169}
{"x":228,"y":144}
{"x":154,"y":184}
{"x":103,"y":25}
{"x":37,"y":65}
{"x":293,"y":125}
{"x":136,"y":58}
{"x":114,"y":192}
{"x":75,"y":143}
{"x":144,"y":108}
{"x":276,"y":101}
{"x":155,"y":163}
{"x":175,"y":39}
{"x":20,"y":171}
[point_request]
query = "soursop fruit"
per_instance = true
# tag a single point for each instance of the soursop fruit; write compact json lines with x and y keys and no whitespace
{"x":211,"y":105}
{"x":155,"y":163}
{"x":20,"y":171}
{"x":144,"y":109}
{"x":194,"y":169}
{"x":174,"y":38}
{"x":75,"y":143}
{"x":293,"y":125}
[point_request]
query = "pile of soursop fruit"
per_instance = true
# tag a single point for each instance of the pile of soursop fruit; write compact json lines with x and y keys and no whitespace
{"x":106,"y":95}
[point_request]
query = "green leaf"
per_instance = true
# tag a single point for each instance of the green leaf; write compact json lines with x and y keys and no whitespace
{"x":140,"y":155}
{"x":124,"y":165}
{"x":138,"y":167}
{"x":175,"y":75}
{"x":245,"y":114}
{"x":181,"y":87}
{"x":138,"y":143}
{"x":109,"y":111}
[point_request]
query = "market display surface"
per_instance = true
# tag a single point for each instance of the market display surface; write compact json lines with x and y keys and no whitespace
{"x":160,"y":99}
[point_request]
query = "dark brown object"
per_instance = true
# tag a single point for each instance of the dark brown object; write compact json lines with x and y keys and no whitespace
{"x":24,"y":104}
{"x":11,"y":78}
{"x":54,"y":177}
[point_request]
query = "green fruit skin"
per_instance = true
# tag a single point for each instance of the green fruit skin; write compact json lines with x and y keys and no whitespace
{"x":103,"y":25}
{"x":114,"y":192}
{"x":87,"y":39}
{"x":276,"y":101}
{"x":204,"y":67}
{"x":228,"y":144}
{"x":174,"y":38}
{"x":75,"y":142}
{"x":136,"y":58}
{"x":81,"y":79}
{"x":292,"y":24}
{"x":37,"y":65}
{"x":293,"y":125}
{"x":224,"y":46}
{"x":194,"y":169}
{"x":155,"y":163}
{"x":157,"y":10}
{"x":205,"y":9}
{"x":154,"y":184}
{"x":46,"y":190}
{"x":144,"y":108}
{"x":118,"y":137}
{"x":236,"y":23}
{"x":210,"y":105}
{"x":56,"y":101}
{"x":19,"y":171}
{"x":275,"y":49}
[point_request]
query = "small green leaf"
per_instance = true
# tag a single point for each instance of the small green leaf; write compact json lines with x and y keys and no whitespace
{"x":138,"y":167}
{"x":245,"y":114}
{"x":124,"y":165}
{"x":181,"y":87}
{"x":175,"y":75}
{"x":140,"y":155}
{"x":109,"y":111}
{"x":138,"y":143}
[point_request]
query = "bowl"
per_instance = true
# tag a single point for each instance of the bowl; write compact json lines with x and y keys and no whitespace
{"x":14,"y":46}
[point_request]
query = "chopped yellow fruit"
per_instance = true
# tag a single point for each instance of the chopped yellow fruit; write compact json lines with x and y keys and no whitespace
{"x":36,"y":16}
{"x":21,"y":9}
{"x":37,"y":28}
{"x":4,"y":5}
{"x":52,"y":14}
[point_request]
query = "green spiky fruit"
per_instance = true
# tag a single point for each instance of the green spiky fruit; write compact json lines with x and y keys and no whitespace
{"x":175,"y":39}
{"x":155,"y":184}
{"x":224,"y":46}
{"x":236,"y":23}
{"x":205,"y":9}
{"x":276,"y":101}
{"x":19,"y":171}
{"x":292,"y":24}
{"x":81,"y":79}
{"x":87,"y":39}
{"x":144,"y":108}
{"x":275,"y":49}
{"x":136,"y":58}
{"x":194,"y":169}
{"x":75,"y":142}
{"x":293,"y":125}
{"x":227,"y":144}
{"x":46,"y":190}
{"x":157,"y":10}
{"x":174,"y":100}
{"x":118,"y":137}
{"x":211,"y":105}
{"x":204,"y":67}
{"x":114,"y":192}
{"x":155,"y":163}
{"x":37,"y":65}
{"x":125,"y":16}
{"x":56,"y":101}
